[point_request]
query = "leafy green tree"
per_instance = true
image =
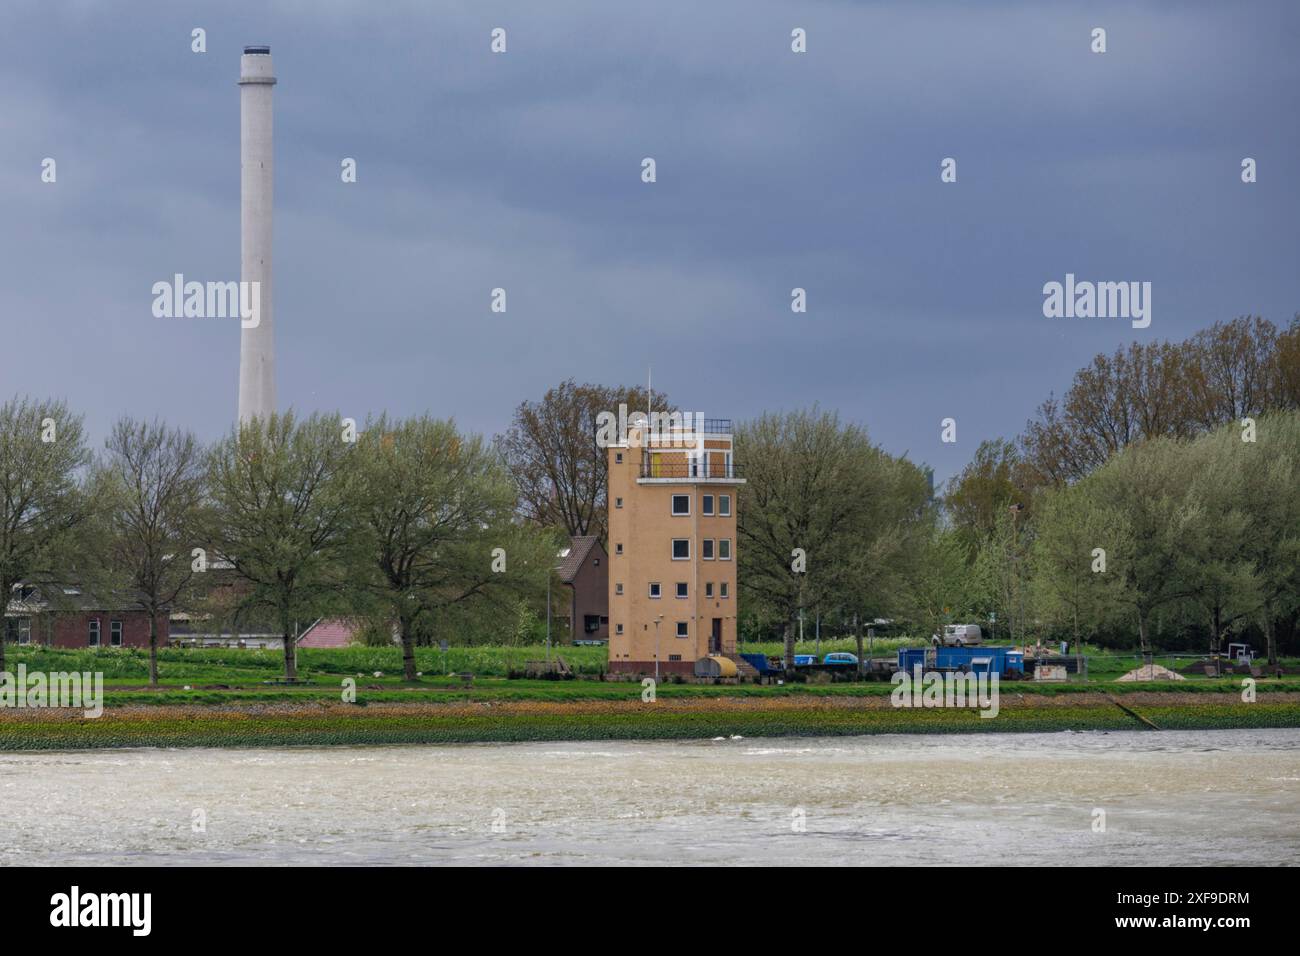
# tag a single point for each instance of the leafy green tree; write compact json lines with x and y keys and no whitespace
{"x":42,"y":503}
{"x":1270,"y":477}
{"x":1068,"y":580}
{"x":436,"y":529}
{"x":892,"y":532}
{"x":1155,"y":530}
{"x":152,"y":481}
{"x":810,"y":486}
{"x":1222,"y":583}
{"x":979,"y":496}
{"x":999,"y":572}
{"x":939,"y":587}
{"x":280,"y":518}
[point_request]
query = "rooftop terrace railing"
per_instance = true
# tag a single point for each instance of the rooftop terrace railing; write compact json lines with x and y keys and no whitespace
{"x":689,"y":469}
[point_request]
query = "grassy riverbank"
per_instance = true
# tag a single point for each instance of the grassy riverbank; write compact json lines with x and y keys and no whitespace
{"x":221,"y":698}
{"x":314,"y":723}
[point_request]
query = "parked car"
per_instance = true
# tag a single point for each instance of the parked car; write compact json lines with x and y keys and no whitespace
{"x":840,"y":657}
{"x":805,"y":660}
{"x":959,"y":635}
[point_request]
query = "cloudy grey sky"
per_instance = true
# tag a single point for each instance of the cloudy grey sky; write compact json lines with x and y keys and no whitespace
{"x":522,"y":170}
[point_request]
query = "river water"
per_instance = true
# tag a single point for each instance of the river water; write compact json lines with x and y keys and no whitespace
{"x":1222,"y":797}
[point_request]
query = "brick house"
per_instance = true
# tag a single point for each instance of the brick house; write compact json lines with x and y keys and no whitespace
{"x":584,"y":570}
{"x":67,"y":616}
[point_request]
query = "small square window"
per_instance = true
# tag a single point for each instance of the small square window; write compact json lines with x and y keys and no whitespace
{"x":655,"y":589}
{"x":708,"y":589}
{"x":683,"y":629}
{"x":618,"y":628}
{"x":595,"y":562}
{"x":724,"y":505}
{"x":682,"y":590}
{"x":724,"y":549}
{"x":674,"y":657}
{"x":681,"y":504}
{"x":618,"y":502}
{"x":618,"y":548}
{"x":706,"y":549}
{"x":618,"y":587}
{"x":681,"y":549}
{"x":724,"y":589}
{"x":618,"y":458}
{"x":706,"y":505}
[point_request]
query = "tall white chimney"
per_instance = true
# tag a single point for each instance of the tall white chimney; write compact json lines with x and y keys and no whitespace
{"x":256,"y":172}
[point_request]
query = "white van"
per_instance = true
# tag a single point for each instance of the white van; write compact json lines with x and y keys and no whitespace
{"x":959,"y":635}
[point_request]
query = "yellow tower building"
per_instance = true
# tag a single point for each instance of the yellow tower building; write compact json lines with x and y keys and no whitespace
{"x":672,"y":544}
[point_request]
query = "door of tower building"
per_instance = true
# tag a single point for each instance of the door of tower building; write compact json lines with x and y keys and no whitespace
{"x":715,"y":638}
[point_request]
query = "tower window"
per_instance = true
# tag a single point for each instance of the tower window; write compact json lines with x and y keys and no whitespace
{"x":683,"y":629}
{"x":706,"y":505}
{"x":682,"y":590}
{"x":681,"y":504}
{"x":724,"y":505}
{"x":681,"y":549}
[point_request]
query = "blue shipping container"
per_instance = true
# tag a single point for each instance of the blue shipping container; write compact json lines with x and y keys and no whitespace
{"x":998,"y":660}
{"x":909,"y":658}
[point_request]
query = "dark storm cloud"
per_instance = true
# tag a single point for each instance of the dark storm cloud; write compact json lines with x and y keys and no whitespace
{"x":522,"y":171}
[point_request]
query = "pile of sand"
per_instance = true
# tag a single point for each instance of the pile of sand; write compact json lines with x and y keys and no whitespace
{"x":1152,"y":672}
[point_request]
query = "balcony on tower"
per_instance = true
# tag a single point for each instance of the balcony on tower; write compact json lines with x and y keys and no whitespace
{"x":681,"y":447}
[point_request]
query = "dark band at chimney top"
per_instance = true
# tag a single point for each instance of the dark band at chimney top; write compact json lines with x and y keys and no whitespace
{"x":261,"y":48}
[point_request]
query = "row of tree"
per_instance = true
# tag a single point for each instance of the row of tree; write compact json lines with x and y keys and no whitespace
{"x":1230,"y":371}
{"x":1175,"y":460}
{"x":290,"y":517}
{"x":1184,"y":541}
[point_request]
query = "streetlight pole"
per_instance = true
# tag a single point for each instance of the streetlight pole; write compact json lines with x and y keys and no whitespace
{"x":548,"y":615}
{"x":1015,"y":510}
